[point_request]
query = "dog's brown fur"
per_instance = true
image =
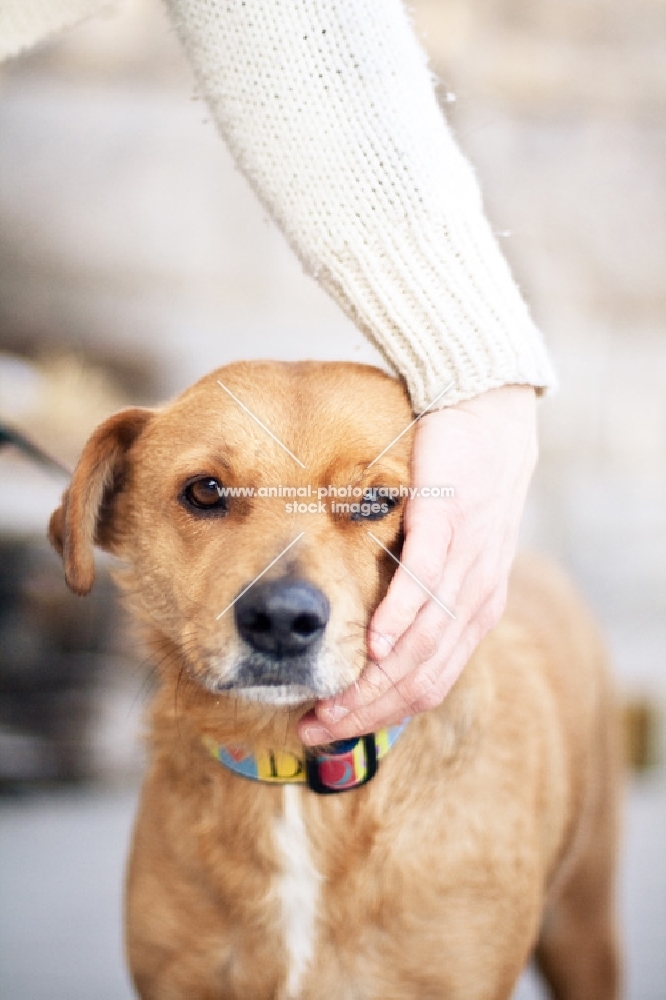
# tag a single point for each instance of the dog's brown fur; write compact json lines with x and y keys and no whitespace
{"x":490,"y":829}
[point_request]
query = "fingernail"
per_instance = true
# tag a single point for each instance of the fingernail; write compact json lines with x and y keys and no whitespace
{"x":334,"y":713}
{"x":316,"y":735}
{"x":382,"y":645}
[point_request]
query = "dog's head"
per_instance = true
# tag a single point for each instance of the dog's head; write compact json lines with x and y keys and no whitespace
{"x":252,"y":517}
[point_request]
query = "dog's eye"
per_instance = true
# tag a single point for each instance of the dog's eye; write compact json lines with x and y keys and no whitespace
{"x":205,"y":494}
{"x":374,"y":505}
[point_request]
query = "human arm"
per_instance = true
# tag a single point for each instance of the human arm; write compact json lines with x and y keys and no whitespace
{"x":330,"y":112}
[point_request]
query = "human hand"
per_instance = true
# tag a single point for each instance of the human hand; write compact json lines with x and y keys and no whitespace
{"x":460,"y":549}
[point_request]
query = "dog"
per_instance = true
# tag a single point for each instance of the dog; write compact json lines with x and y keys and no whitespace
{"x":466,"y":840}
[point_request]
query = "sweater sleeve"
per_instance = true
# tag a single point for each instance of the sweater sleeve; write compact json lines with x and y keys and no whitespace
{"x":329,"y":110}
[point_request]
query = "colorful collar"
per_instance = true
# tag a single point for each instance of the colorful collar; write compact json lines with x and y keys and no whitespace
{"x":338,"y":767}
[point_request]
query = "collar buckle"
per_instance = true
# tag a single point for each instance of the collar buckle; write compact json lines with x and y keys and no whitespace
{"x":342,"y":766}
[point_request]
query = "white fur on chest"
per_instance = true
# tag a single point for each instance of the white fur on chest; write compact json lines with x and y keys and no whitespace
{"x":297,"y":888}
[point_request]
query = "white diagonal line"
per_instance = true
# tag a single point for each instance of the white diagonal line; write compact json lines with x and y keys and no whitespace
{"x":256,"y":418}
{"x":402,"y":433}
{"x":414,"y":578}
{"x":258,"y":577}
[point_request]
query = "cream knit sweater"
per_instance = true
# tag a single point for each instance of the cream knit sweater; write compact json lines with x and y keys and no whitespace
{"x":330,"y":111}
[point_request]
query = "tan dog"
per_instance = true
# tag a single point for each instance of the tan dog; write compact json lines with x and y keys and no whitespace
{"x":489,"y":828}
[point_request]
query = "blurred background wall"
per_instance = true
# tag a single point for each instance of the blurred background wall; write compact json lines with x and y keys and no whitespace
{"x":133,"y":258}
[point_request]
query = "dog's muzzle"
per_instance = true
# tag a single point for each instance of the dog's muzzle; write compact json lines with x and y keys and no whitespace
{"x":281,"y":624}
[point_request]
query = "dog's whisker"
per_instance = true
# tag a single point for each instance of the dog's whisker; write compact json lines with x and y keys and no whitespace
{"x":152,"y":668}
{"x":287,"y":725}
{"x":141,"y":691}
{"x":395,"y":687}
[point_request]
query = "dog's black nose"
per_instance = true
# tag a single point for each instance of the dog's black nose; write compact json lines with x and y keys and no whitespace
{"x":281,"y":617}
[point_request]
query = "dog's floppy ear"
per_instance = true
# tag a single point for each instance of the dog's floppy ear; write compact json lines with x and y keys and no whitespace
{"x":83,"y":517}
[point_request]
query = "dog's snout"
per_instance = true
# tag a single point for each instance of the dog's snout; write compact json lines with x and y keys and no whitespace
{"x":282,"y":617}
